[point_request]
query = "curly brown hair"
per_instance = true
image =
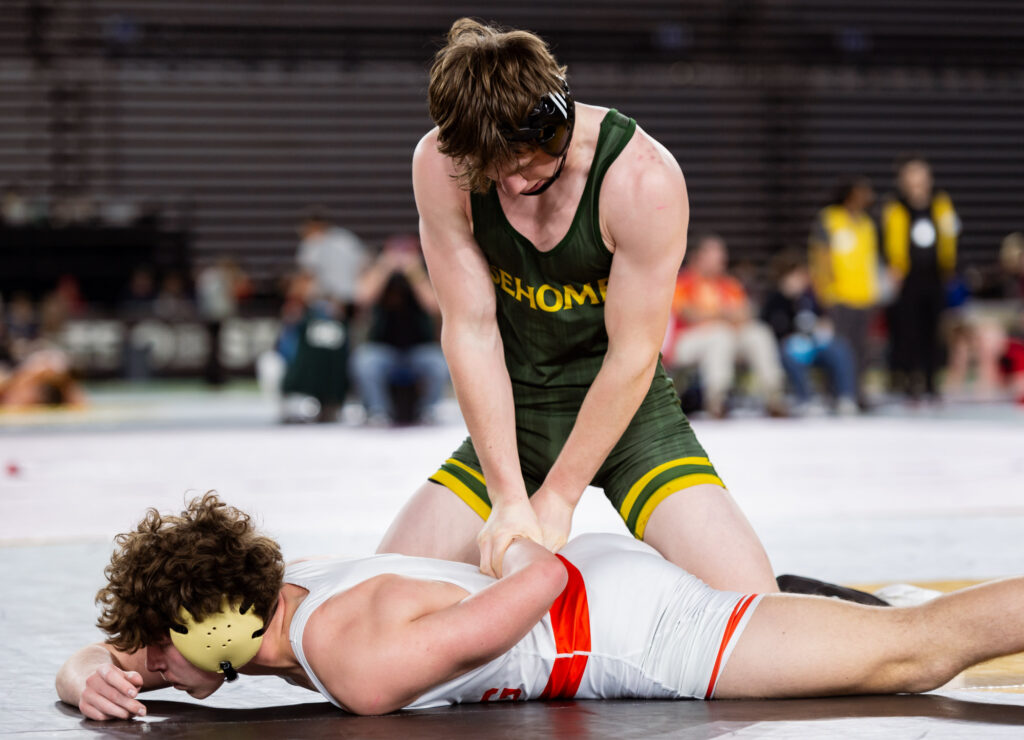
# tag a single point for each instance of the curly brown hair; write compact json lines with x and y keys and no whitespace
{"x":483,"y":80}
{"x":210,"y":551}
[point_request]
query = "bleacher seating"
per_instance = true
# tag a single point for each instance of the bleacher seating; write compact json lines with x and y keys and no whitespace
{"x":239,"y":114}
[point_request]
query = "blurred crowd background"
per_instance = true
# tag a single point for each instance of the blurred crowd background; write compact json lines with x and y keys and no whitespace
{"x":220,"y":191}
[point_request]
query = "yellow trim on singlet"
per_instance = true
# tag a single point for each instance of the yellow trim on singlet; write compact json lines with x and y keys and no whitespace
{"x":459,"y":464}
{"x":638,"y":487}
{"x":678,"y":484}
{"x":463,"y":491}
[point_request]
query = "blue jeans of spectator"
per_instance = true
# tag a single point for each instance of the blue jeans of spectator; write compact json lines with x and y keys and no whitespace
{"x":375,"y":366}
{"x":800,"y":353}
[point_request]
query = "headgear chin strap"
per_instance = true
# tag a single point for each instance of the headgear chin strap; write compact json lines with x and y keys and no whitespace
{"x":221,"y":643}
{"x":548,"y":126}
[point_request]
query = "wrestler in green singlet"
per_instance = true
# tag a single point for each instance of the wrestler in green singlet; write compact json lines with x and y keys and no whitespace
{"x":550,"y":312}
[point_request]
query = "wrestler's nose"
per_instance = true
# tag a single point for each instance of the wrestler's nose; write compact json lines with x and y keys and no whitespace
{"x":155,"y":660}
{"x":513,"y":184}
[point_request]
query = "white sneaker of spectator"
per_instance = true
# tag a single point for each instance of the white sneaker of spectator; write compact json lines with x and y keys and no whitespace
{"x":847,"y":407}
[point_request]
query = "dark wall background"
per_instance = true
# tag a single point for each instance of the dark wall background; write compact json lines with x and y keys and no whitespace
{"x":230,"y":117}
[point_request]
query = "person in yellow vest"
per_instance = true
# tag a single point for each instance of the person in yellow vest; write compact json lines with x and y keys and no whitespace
{"x":844,"y":261}
{"x":920,"y":229}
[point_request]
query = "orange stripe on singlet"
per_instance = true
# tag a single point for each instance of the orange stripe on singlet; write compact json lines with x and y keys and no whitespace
{"x":734,"y":621}
{"x":570,"y":620}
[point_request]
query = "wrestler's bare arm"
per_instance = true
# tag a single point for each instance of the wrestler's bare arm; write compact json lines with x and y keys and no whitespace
{"x":103,"y":682}
{"x":645,"y":215}
{"x":400,"y":637}
{"x":469,"y":334}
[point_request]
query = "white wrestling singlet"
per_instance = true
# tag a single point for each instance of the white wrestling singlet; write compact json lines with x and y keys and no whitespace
{"x":628,"y":625}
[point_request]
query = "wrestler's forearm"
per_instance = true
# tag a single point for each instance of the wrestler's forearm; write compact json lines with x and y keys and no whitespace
{"x":521,"y":554}
{"x":610,"y":404}
{"x":422,"y":289}
{"x":476,"y":363}
{"x":76,"y":669}
{"x":470,"y":632}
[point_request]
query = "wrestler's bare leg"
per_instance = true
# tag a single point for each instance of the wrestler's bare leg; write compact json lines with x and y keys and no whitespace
{"x":435,"y":523}
{"x":704,"y":532}
{"x":811,"y":646}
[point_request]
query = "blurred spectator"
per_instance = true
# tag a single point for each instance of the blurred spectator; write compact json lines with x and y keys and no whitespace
{"x":401,"y":347}
{"x":74,"y":209}
{"x":1011,"y":266}
{"x":5,"y":339}
{"x":806,"y":337}
{"x":138,"y":296}
{"x":137,"y":305}
{"x":43,"y":378}
{"x":716,"y":329}
{"x":272,"y":364}
{"x":32,"y":371}
{"x":988,"y":335}
{"x":27,"y":325}
{"x":172,"y":302}
{"x":752,"y":278}
{"x":298,"y":293}
{"x":920,"y":230}
{"x":334,"y":257}
{"x":70,"y":295}
{"x":21,"y":325}
{"x":14,"y":208}
{"x":119,"y":212}
{"x":845,"y":264}
{"x":219,"y":287}
{"x":316,"y":380}
{"x":53,"y":315}
{"x":1012,"y":361}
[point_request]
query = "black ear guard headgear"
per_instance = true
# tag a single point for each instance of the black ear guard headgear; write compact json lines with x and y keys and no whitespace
{"x":549,"y":125}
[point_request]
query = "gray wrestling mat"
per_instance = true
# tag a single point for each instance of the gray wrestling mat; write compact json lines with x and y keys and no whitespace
{"x":903,"y":496}
{"x":934,"y":716}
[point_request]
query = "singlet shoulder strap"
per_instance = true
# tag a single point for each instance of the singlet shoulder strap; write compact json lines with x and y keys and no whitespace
{"x":297,"y":629}
{"x":616,"y":132}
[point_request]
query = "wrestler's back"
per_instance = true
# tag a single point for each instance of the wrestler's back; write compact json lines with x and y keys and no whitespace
{"x":630,"y":591}
{"x":524,"y":668}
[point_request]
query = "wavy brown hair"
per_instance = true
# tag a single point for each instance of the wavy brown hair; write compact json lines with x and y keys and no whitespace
{"x":482,"y":80}
{"x":192,"y":561}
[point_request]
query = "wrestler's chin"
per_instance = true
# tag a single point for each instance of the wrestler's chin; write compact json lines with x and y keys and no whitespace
{"x":201,"y":693}
{"x":197,"y":692}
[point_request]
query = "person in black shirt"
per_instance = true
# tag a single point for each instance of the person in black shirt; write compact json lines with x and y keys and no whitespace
{"x":920,"y":229}
{"x":401,"y":347}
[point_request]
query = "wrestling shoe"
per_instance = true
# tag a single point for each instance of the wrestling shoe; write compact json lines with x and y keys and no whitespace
{"x":791,"y":584}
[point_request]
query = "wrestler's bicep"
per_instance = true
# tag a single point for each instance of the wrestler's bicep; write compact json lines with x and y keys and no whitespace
{"x":650,"y":239}
{"x":458,"y":269}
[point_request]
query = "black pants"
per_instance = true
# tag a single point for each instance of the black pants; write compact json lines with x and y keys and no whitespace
{"x":853,"y":324}
{"x":214,"y":372}
{"x":914,"y":332}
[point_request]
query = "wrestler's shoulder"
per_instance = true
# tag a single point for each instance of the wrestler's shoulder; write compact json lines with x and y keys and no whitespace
{"x":643,"y":171}
{"x":427,"y":145}
{"x":434,"y":174}
{"x":426,"y":157}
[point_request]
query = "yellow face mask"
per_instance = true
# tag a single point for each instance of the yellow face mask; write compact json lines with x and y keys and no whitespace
{"x":223,"y":642}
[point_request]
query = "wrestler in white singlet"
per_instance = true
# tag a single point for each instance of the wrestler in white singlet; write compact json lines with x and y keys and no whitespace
{"x":633,"y":626}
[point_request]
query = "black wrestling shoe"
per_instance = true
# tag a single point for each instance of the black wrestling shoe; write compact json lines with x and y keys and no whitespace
{"x":790,"y":584}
